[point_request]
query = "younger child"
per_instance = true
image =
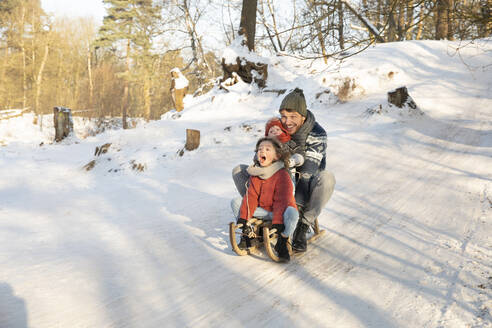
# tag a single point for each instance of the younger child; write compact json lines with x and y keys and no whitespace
{"x":275,"y":129}
{"x":270,"y":195}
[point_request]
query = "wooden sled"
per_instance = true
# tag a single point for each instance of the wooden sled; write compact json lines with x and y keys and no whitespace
{"x":264,"y":235}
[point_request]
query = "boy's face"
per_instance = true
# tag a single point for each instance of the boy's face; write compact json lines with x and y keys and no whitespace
{"x":291,"y":121}
{"x":274,"y":131}
{"x":266,"y":153}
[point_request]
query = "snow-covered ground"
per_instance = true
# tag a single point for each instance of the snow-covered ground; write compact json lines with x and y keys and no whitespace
{"x":409,"y":226}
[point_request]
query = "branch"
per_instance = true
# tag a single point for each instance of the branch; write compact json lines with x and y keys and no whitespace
{"x":365,"y":22}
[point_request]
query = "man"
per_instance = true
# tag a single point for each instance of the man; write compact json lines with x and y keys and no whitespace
{"x":314,"y":185}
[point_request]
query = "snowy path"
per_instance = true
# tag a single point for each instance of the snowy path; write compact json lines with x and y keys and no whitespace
{"x":408,"y":242}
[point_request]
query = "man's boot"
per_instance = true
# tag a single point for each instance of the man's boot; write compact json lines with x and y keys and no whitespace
{"x":300,"y":242}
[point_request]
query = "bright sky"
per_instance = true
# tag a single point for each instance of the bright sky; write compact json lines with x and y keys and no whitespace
{"x":75,"y":8}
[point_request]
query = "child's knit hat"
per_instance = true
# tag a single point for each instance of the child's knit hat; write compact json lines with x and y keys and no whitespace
{"x":274,"y":121}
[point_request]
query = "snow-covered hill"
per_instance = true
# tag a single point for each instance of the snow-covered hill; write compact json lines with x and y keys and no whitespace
{"x":409,"y":226}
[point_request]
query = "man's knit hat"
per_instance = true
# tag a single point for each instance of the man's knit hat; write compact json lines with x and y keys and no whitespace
{"x":274,"y":121}
{"x":295,"y":101}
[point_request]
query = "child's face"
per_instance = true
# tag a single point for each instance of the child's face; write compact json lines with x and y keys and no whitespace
{"x":266,"y":153}
{"x":274,"y":131}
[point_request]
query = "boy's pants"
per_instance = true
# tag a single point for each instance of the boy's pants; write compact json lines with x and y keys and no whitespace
{"x":291,"y":216}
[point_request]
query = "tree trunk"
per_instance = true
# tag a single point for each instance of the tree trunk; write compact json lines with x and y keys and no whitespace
{"x":39,"y":78}
{"x":23,"y":53}
{"x":247,"y":27}
{"x":89,"y":73}
{"x":421,"y":23}
{"x":320,"y":37}
{"x":126,"y":90}
{"x":450,"y":17}
{"x":442,"y":8}
{"x":341,"y":38}
{"x":59,"y":72}
{"x":147,"y":99}
{"x":401,"y":21}
{"x":409,"y":21}
{"x":391,"y":36}
{"x":274,"y":20}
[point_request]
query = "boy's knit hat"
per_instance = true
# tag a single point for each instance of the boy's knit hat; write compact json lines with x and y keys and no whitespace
{"x":274,"y":121}
{"x":295,"y":101}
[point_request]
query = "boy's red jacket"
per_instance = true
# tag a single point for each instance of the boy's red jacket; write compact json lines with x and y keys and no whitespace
{"x":274,"y":194}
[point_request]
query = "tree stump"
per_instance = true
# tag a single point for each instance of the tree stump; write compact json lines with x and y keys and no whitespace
{"x":179,"y":88}
{"x":192,"y":139}
{"x":400,"y":97}
{"x":248,"y":71}
{"x":62,"y":118}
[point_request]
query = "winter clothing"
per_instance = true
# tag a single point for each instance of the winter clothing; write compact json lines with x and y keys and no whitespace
{"x":300,"y":239}
{"x":271,"y":189}
{"x":295,"y":101}
{"x":281,"y":249}
{"x":291,"y":216}
{"x":265,"y":173}
{"x":296,"y":160}
{"x":284,"y":137}
{"x":311,"y":142}
{"x":320,"y":188}
{"x":314,"y":185}
{"x":246,"y":229}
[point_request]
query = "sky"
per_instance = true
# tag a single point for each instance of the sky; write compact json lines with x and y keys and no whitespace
{"x":75,"y":8}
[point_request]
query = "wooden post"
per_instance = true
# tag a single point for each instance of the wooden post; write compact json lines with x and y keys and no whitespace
{"x":62,"y":118}
{"x":192,"y":139}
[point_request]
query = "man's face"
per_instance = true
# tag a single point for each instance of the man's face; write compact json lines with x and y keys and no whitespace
{"x":291,"y":121}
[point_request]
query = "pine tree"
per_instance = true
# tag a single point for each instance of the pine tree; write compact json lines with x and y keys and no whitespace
{"x":130,"y":27}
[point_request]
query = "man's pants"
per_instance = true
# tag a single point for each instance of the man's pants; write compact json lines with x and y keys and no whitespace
{"x":321,"y":188}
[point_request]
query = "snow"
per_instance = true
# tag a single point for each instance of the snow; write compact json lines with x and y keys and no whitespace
{"x":409,"y":226}
{"x":236,"y":49}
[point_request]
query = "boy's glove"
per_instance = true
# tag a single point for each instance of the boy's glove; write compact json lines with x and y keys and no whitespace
{"x":242,"y":221}
{"x":247,"y":230}
{"x":279,"y":227}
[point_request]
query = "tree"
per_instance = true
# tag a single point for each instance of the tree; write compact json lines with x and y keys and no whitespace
{"x":21,"y":29}
{"x":442,"y":23}
{"x":130,"y":27}
{"x":247,"y":27}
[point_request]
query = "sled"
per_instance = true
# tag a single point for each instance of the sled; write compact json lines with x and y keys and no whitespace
{"x":264,"y":235}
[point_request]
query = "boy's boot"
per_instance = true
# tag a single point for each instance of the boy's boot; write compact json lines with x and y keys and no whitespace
{"x":246,"y":229}
{"x":300,"y":242}
{"x":281,"y":249}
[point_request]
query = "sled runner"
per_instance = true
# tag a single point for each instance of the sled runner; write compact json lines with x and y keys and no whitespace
{"x":264,"y":235}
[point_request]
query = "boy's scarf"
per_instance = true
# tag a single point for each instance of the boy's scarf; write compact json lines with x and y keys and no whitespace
{"x":265,"y":172}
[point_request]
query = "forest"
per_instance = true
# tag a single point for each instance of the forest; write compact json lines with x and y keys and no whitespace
{"x":122,"y":67}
